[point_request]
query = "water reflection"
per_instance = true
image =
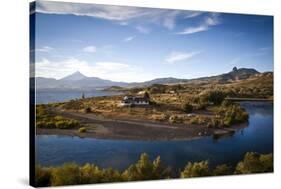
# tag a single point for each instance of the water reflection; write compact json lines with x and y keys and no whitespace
{"x":258,"y":137}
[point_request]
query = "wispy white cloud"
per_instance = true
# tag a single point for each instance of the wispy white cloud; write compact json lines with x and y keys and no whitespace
{"x":115,"y":71}
{"x":123,"y":23}
{"x":180,"y":56}
{"x":169,"y":23}
{"x":191,"y":30}
{"x":121,"y":14}
{"x":118,"y":13}
{"x":130,"y":38}
{"x":192,"y":14}
{"x":90,"y":49}
{"x":209,"y":21}
{"x":58,"y":69}
{"x":142,"y":29}
{"x":169,"y":20}
{"x":44,"y":49}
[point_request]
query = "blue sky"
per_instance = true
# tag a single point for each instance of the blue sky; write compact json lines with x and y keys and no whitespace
{"x":139,"y":44}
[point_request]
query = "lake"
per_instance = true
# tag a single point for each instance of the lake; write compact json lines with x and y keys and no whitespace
{"x":44,"y":97}
{"x":119,"y":154}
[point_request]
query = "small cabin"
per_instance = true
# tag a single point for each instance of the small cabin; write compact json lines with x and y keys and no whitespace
{"x":132,"y":100}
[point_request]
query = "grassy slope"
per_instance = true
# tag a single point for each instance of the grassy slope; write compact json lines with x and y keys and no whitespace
{"x":168,"y":104}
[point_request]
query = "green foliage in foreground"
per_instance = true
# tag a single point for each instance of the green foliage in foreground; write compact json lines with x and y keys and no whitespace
{"x":197,"y":169}
{"x":47,"y":120}
{"x":222,"y":170}
{"x":255,"y":163}
{"x":144,"y":169}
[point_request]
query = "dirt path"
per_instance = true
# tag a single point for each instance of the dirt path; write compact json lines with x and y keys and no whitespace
{"x":94,"y":118}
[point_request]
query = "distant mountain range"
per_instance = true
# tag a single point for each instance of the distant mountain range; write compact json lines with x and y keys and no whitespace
{"x":75,"y":81}
{"x":80,"y":82}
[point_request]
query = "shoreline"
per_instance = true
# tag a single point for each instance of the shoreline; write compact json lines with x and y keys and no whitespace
{"x":138,"y":130}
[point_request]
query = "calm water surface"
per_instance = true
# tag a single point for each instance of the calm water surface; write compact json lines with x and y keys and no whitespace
{"x":258,"y":137}
{"x":44,"y":97}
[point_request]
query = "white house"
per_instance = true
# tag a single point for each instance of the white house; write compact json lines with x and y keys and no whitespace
{"x":132,"y":100}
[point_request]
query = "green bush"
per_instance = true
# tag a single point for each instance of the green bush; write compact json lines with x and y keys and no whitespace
{"x":232,"y":114}
{"x":40,"y":124}
{"x":49,"y":121}
{"x":201,"y":106}
{"x":110,"y":175}
{"x":215,"y":122}
{"x":197,"y":169}
{"x":187,"y":108}
{"x":226,"y":103}
{"x":255,"y":163}
{"x":74,"y":105}
{"x":42,"y":176}
{"x":61,"y":124}
{"x":146,"y":95}
{"x":175,"y":119}
{"x":215,"y":96}
{"x":66,"y":124}
{"x":197,"y":120}
{"x":73,"y":123}
{"x":87,"y":110}
{"x":91,"y":174}
{"x":68,"y":174}
{"x":59,"y":118}
{"x":144,"y":169}
{"x":50,"y":125}
{"x":45,"y":124}
{"x":222,"y":170}
{"x":82,"y":130}
{"x":157,"y":88}
{"x":153,"y":102}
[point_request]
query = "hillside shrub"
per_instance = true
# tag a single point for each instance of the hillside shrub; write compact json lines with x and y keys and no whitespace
{"x":212,"y":96}
{"x":46,"y":120}
{"x":87,"y":110}
{"x":233,"y":114}
{"x":175,"y":119}
{"x":82,"y":130}
{"x":187,"y":108}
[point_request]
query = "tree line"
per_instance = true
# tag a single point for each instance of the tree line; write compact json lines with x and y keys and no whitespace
{"x":145,"y":169}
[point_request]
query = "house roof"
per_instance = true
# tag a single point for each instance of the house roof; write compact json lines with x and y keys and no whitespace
{"x":134,"y":99}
